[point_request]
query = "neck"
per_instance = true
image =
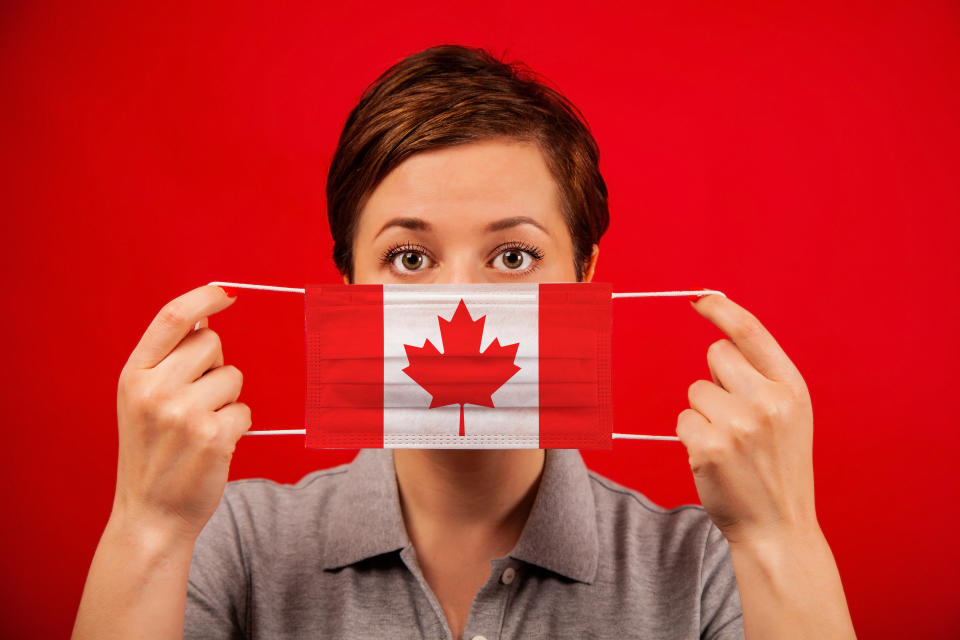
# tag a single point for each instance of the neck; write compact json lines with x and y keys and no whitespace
{"x":489,"y":490}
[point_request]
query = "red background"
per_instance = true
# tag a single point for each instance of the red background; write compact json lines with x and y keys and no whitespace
{"x":802,"y":158}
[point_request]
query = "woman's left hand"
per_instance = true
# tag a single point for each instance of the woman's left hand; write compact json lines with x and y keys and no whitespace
{"x":749,"y":432}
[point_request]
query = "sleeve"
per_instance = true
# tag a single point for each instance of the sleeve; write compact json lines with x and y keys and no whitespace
{"x":721,"y":616}
{"x":218,"y":586}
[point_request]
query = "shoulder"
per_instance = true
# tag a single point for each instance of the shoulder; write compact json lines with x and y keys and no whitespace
{"x":260,"y":527}
{"x":260,"y":491}
{"x":279,"y":509}
{"x":615,"y":500}
{"x":630,"y":525}
{"x":674,"y":561}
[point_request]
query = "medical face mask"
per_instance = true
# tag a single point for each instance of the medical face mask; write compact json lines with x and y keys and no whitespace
{"x":459,"y":366}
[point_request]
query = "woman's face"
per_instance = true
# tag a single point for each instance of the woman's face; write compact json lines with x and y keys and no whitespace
{"x":484,"y":211}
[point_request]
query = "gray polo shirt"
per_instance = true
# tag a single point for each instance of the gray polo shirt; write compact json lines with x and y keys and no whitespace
{"x":329,"y":557}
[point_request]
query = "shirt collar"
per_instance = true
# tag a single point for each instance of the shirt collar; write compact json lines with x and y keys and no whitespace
{"x":364,"y":519}
{"x":561,"y":531}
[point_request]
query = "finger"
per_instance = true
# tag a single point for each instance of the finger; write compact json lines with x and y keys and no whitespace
{"x":752,"y":338}
{"x":196,"y":354}
{"x":709,"y":400}
{"x":730,"y":368}
{"x":713,"y":374}
{"x":215,"y":389}
{"x":236,"y":419}
{"x":174,"y":321}
{"x":690,"y":426}
{"x":704,"y":443}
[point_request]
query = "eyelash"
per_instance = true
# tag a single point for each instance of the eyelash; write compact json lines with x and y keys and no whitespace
{"x":519,"y":246}
{"x":402,"y":247}
{"x":388,"y":256}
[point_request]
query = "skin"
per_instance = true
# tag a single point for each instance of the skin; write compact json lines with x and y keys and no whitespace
{"x":481,"y":212}
{"x":464,"y":212}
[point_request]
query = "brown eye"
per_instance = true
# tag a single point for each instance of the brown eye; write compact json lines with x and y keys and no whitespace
{"x":412,"y":261}
{"x":512,"y":259}
{"x":409,"y":261}
{"x":517,"y":260}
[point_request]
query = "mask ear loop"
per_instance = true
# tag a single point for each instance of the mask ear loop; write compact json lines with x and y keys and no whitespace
{"x":615,"y":436}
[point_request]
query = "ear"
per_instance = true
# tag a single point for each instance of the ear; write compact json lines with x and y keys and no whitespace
{"x":591,"y":264}
{"x":346,"y":278}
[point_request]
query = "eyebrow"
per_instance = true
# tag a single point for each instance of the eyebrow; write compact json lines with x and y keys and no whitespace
{"x":509,"y":223}
{"x":414,"y":224}
{"x":418,"y":224}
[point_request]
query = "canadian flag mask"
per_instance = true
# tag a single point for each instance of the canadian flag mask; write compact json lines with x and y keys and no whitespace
{"x":458,"y":366}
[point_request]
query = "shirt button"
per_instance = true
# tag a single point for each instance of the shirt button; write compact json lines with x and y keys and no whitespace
{"x":507,"y":576}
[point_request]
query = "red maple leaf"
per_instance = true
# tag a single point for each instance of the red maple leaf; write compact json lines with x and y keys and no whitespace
{"x":461,"y":374}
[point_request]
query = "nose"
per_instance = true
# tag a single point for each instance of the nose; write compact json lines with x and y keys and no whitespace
{"x":461,"y":269}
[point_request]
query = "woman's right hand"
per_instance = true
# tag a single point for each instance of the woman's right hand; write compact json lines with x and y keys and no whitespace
{"x":178,"y":419}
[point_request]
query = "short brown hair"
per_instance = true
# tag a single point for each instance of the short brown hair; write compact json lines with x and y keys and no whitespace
{"x":448,"y":95}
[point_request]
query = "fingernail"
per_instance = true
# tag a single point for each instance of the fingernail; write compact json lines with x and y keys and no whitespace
{"x":230,"y":291}
{"x":694,"y":298}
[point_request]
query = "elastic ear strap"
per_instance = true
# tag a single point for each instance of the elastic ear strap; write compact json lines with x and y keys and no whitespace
{"x":615,"y":436}
{"x":628,"y":294}
{"x":668,"y":294}
{"x":264,"y":287}
{"x":303,"y":432}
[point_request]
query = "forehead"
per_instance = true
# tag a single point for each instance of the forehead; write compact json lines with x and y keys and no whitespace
{"x":480,"y":180}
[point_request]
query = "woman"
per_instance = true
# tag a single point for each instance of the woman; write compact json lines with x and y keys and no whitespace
{"x":456,"y":168}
